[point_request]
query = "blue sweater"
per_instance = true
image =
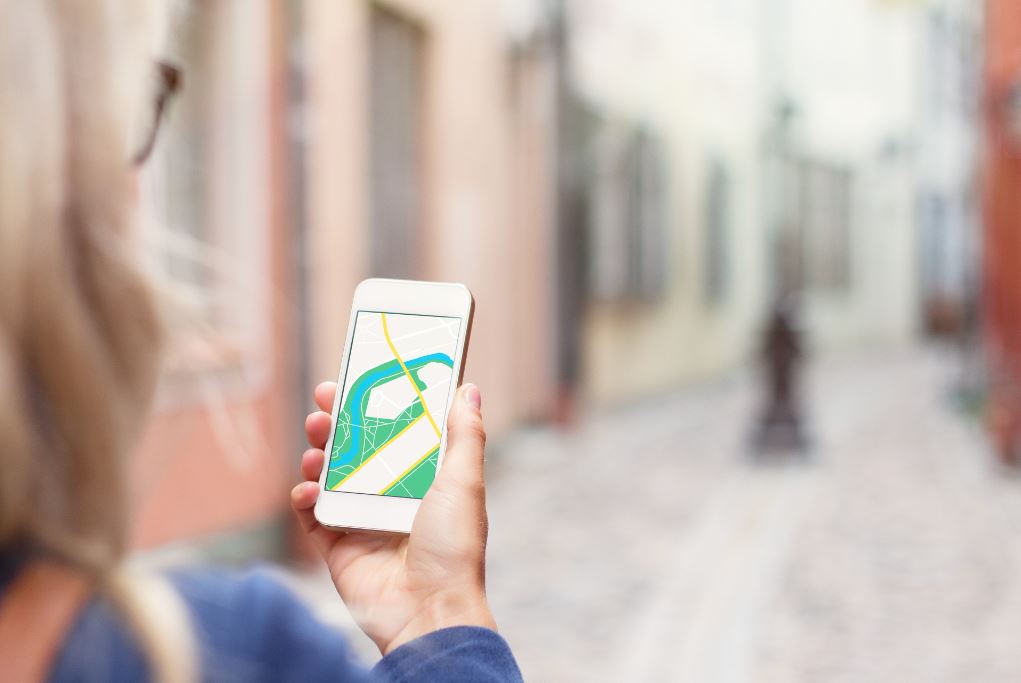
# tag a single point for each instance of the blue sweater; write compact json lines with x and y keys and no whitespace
{"x":252,"y":629}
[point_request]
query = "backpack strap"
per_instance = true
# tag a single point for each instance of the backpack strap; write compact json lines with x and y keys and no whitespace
{"x":36,"y":612}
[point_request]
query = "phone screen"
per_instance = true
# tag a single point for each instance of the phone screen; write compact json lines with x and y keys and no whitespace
{"x":399,"y":375}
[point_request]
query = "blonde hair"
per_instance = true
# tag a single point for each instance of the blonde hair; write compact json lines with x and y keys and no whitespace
{"x":79,"y":333}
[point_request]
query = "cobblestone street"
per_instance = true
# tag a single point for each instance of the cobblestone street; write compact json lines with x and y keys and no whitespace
{"x":645,"y":545}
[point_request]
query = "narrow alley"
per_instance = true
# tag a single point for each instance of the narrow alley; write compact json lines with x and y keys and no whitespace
{"x":891,"y":553}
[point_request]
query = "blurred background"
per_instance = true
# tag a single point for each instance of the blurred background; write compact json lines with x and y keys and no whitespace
{"x":748,"y":320}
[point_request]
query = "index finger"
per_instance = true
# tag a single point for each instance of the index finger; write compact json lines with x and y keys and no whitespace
{"x":324,"y":395}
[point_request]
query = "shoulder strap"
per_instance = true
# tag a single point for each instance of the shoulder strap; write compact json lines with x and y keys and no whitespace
{"x":160,"y":620}
{"x":36,"y":612}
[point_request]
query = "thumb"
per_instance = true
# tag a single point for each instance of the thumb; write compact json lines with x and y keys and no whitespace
{"x":466,"y":437}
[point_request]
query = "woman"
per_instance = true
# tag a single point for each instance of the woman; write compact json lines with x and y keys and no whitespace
{"x":78,"y":340}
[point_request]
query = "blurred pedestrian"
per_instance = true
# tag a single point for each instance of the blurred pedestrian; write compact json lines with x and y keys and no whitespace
{"x":780,"y":427}
{"x":79,"y":340}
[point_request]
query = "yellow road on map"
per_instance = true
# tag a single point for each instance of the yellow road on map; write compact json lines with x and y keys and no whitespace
{"x":368,"y":459}
{"x":405,"y":472}
{"x":414,"y":385}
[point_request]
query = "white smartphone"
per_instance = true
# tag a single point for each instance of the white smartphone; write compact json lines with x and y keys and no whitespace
{"x":402,"y":364}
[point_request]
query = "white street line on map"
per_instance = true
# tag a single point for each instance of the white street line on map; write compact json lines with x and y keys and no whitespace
{"x":380,"y":394}
{"x":392,"y":402}
{"x":373,"y":338}
{"x":386,"y":466}
{"x":449,"y":327}
{"x":436,"y":385}
{"x":422,"y":351}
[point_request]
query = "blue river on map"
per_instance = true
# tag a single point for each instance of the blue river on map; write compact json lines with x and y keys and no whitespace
{"x":357,"y":393}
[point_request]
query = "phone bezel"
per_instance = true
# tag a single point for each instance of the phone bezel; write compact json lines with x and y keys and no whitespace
{"x":357,"y":511}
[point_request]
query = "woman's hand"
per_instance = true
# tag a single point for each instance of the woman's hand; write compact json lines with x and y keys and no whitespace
{"x":401,"y":587}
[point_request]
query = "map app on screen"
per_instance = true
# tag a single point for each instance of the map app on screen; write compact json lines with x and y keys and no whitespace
{"x":399,"y":376}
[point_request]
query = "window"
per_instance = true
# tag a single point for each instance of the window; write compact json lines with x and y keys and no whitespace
{"x":716,"y":263}
{"x":207,"y":227}
{"x":825,"y":225}
{"x":627,"y":207}
{"x":648,"y":219}
{"x":395,"y":120}
{"x":177,"y":177}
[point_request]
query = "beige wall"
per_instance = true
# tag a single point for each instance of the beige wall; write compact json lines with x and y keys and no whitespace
{"x":699,"y":77}
{"x":693,"y":80}
{"x":856,"y":103}
{"x":485,"y":216}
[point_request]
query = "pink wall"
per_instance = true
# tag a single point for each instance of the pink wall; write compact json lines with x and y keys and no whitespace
{"x":487,"y":205}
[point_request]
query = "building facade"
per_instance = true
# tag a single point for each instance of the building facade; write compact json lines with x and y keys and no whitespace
{"x":427,"y":158}
{"x":676,"y":275}
{"x":947,"y":163}
{"x":315,"y":144}
{"x":787,"y":164}
{"x":219,"y":450}
{"x":1001,"y":174}
{"x":625,"y":187}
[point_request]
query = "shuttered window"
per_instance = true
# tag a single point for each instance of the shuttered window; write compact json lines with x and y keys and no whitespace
{"x":395,"y":123}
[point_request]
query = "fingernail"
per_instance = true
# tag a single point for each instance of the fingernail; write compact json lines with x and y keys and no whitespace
{"x":473,"y":396}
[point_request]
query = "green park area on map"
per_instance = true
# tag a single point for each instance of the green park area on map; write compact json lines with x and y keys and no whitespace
{"x":359,"y":438}
{"x":389,"y":425}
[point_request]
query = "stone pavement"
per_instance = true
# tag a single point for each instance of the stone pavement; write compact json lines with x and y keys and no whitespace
{"x":646,"y":545}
